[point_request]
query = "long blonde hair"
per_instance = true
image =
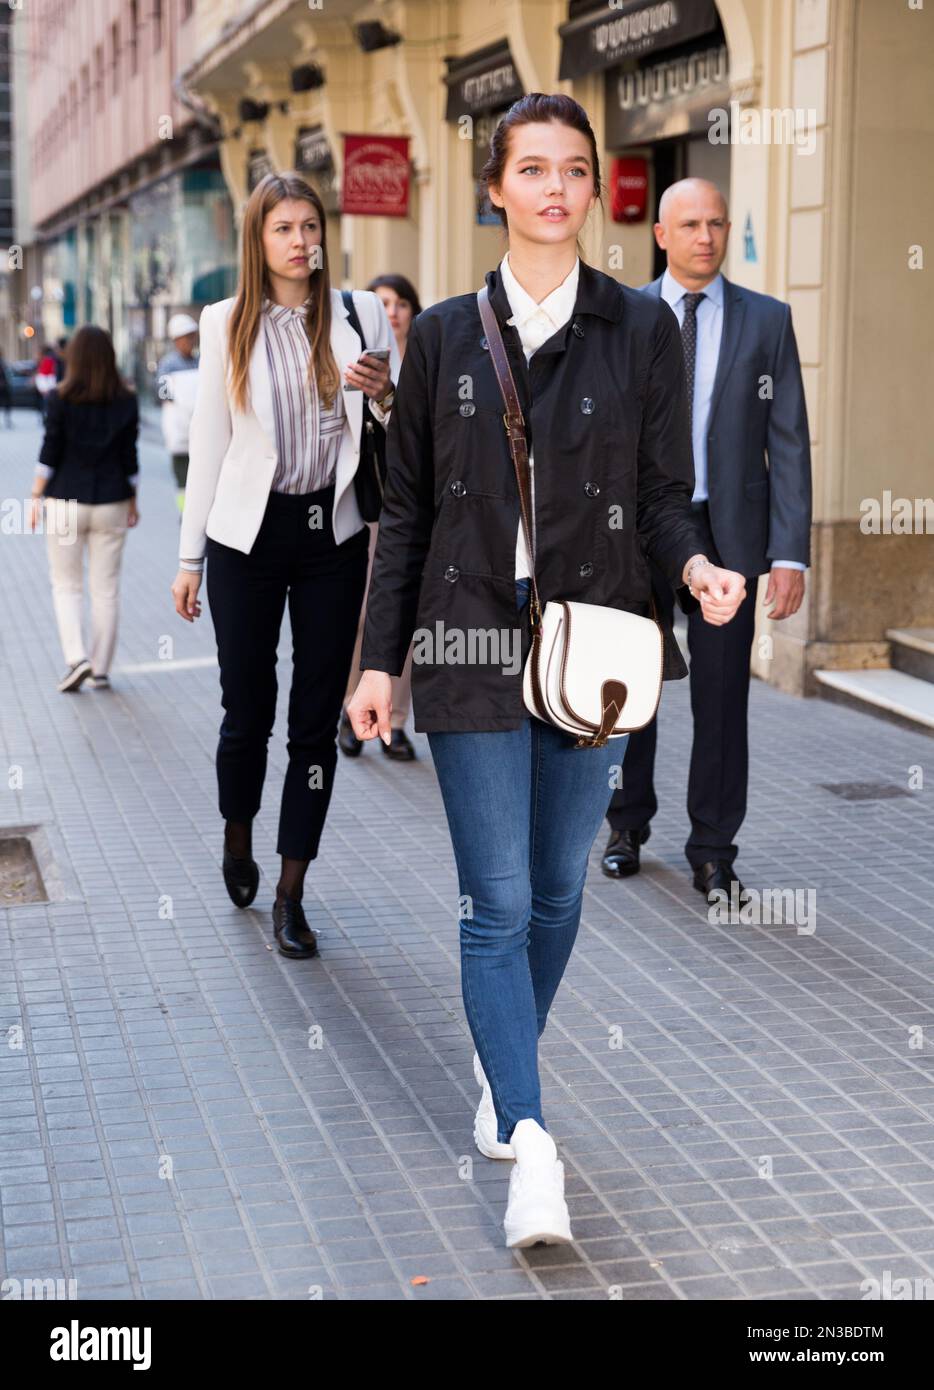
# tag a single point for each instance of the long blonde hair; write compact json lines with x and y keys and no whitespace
{"x":244,"y":321}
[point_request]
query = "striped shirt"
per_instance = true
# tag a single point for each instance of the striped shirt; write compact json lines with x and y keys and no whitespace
{"x":308,"y":436}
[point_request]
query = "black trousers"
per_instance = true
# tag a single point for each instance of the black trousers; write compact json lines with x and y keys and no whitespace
{"x":719,"y":771}
{"x":295,"y":559}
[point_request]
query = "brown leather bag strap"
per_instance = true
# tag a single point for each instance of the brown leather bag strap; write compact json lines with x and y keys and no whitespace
{"x":515,"y":432}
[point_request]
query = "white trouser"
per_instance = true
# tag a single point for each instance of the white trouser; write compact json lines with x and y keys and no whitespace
{"x":102,"y":527}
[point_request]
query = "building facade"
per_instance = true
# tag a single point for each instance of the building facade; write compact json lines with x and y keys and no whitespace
{"x":131,"y":217}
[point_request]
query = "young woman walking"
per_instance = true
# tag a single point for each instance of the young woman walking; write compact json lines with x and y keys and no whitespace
{"x":86,"y":475}
{"x":270,"y":504}
{"x":600,"y":374}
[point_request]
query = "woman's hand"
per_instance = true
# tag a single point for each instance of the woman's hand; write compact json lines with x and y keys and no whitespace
{"x":371,"y":706}
{"x":185,"y":593}
{"x":35,"y":511}
{"x":132,"y":516}
{"x":371,"y":375}
{"x":720,"y":592}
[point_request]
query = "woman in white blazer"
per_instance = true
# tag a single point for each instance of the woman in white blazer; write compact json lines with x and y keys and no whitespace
{"x":270,"y":504}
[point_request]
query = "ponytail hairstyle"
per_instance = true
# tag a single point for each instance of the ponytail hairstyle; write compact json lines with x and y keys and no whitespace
{"x":244,"y":323}
{"x":536,"y":107}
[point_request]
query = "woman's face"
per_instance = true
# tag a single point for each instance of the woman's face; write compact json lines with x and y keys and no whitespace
{"x":291,"y":232}
{"x":399,"y":311}
{"x":547,"y":186}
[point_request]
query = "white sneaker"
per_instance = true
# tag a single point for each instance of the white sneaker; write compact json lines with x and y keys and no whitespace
{"x":536,"y":1210}
{"x":485,"y":1125}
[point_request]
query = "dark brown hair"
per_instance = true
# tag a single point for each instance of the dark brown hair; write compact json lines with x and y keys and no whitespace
{"x":244,"y":323}
{"x":532,"y":108}
{"x":91,"y":368}
{"x":401,"y":286}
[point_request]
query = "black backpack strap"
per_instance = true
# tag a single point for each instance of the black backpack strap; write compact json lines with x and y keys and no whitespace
{"x":347,"y":297}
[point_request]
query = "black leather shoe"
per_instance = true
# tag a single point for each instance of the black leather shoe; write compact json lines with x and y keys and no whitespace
{"x":242,"y":879}
{"x":292,"y":932}
{"x":399,"y":747}
{"x":621,"y":856}
{"x":347,"y":740}
{"x":715,"y":880}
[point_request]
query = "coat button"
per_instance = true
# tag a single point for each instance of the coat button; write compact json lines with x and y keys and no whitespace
{"x":457,"y":489}
{"x":484,"y":344}
{"x":467,"y":408}
{"x":591,"y":489}
{"x":579,"y":332}
{"x":586,"y":570}
{"x":452,"y":574}
{"x":587,"y":406}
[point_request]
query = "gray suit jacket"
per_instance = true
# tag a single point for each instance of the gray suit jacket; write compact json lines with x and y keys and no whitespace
{"x":758,"y":452}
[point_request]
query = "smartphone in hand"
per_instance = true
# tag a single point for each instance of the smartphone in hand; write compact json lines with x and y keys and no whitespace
{"x":379,"y":354}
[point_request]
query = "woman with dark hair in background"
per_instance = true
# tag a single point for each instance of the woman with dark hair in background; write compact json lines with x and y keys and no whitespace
{"x":87,"y":473}
{"x":270,"y":503}
{"x":401,"y":302}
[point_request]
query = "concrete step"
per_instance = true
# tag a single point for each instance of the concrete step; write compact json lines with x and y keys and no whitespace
{"x":913,"y":651}
{"x":892,"y":695}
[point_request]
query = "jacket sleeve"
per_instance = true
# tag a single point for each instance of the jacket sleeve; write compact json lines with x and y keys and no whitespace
{"x":208,"y":438}
{"x":53,"y":444}
{"x":405,"y":521}
{"x":126,"y":443}
{"x":664,"y":520}
{"x":789,"y":452}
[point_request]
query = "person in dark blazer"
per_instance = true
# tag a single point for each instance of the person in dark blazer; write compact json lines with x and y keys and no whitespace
{"x":752,"y":496}
{"x":270,"y":503}
{"x":600,"y":377}
{"x":86,"y":476}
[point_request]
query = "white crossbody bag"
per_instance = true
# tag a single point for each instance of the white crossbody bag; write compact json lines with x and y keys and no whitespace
{"x":595,"y":672}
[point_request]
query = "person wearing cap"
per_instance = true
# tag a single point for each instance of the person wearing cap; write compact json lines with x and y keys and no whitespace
{"x":176,"y":384}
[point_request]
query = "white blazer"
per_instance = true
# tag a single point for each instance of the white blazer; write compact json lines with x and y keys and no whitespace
{"x":232,"y":455}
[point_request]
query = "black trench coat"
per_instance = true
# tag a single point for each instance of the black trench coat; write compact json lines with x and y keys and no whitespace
{"x":605,"y":405}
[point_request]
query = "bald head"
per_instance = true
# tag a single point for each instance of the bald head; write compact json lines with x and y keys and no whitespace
{"x":693,"y":227}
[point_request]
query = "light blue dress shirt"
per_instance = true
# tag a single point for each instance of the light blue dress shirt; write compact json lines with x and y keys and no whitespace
{"x":709,"y":333}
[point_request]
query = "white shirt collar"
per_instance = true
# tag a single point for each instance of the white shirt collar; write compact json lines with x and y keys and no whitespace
{"x":673,"y":291}
{"x":283,"y":312}
{"x":557,"y":306}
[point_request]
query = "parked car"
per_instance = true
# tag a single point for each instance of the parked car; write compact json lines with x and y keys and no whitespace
{"x":21,"y":376}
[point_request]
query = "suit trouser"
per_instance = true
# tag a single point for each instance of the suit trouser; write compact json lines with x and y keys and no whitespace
{"x":102,"y":527}
{"x":719,"y":771}
{"x":401,"y":685}
{"x":323,"y":582}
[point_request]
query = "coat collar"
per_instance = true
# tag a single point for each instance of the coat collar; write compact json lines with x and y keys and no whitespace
{"x":596,"y":294}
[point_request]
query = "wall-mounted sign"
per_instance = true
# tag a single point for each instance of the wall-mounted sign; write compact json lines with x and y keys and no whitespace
{"x":313,"y":157}
{"x":602,"y":35}
{"x":483,"y":81}
{"x":629,"y":189}
{"x":258,"y":165}
{"x":376,"y":175}
{"x":666,"y":98}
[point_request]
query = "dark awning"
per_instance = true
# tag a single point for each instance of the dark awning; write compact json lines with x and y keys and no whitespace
{"x":483,"y":81}
{"x":602,"y":36}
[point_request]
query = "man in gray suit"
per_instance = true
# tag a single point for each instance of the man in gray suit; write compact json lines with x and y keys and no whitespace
{"x":752,"y":467}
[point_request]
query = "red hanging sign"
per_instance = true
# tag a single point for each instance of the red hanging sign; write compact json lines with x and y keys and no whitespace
{"x":629,"y":185}
{"x":376,"y":175}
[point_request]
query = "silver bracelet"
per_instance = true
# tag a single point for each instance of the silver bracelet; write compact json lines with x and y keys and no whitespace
{"x":701,"y":560}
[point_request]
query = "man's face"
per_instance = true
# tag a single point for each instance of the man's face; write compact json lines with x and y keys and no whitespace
{"x":186,"y":343}
{"x":694,"y":234}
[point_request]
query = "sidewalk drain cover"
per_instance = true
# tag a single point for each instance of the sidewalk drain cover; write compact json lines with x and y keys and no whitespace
{"x":864,"y":791}
{"x":20,"y":879}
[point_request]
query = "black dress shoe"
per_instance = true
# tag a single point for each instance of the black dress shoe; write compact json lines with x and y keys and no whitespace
{"x":621,"y":856}
{"x":347,"y":740}
{"x":292,"y":932}
{"x":242,"y":879}
{"x":715,"y":880}
{"x":399,"y":747}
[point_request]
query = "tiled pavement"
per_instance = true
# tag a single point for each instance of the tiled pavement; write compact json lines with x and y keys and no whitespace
{"x":744,"y":1111}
